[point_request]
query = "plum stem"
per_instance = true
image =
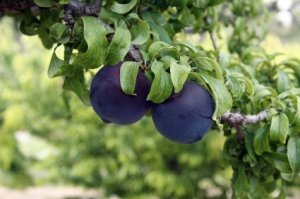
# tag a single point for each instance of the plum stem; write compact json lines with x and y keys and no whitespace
{"x":237,"y":120}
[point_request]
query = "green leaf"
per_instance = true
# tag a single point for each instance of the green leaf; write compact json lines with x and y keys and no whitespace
{"x":296,"y":119}
{"x":221,"y":95}
{"x":240,"y":183}
{"x":187,"y":18}
{"x":186,"y":44}
{"x":261,"y":141}
{"x":122,"y":8}
{"x":63,"y":2}
{"x":156,"y":22}
{"x":279,"y":128}
{"x":43,"y":3}
{"x":58,"y":67}
{"x":239,"y":85}
{"x":236,"y":87}
{"x":293,"y":153}
{"x":119,"y":46}
{"x":128,"y":74}
{"x":95,"y":37}
{"x":60,"y":33}
{"x":140,"y":33}
{"x":179,"y":3}
{"x":292,"y":63}
{"x":249,"y":138}
{"x":283,"y":81}
{"x":200,"y":3}
{"x":30,"y":26}
{"x":45,"y":37}
{"x":215,"y":2}
{"x":224,"y":60}
{"x":279,"y":161}
{"x":205,"y":62}
{"x":162,"y":49}
{"x":287,"y":176}
{"x":55,"y":65}
{"x":179,"y":74}
{"x":161,"y":87}
{"x":261,"y":96}
{"x":293,"y":91}
{"x":77,"y":86}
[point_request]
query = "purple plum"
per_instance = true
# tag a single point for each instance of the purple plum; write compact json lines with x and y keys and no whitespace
{"x":186,"y":116}
{"x":111,"y":104}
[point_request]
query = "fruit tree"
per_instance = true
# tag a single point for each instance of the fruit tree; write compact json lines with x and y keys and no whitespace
{"x":129,"y":58}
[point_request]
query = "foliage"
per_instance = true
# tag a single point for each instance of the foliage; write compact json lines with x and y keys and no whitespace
{"x":244,"y":79}
{"x":124,"y":161}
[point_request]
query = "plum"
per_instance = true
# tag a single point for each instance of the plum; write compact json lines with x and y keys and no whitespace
{"x":185,"y":116}
{"x":109,"y":101}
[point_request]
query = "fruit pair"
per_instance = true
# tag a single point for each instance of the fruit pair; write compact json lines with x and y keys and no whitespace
{"x":184,"y":117}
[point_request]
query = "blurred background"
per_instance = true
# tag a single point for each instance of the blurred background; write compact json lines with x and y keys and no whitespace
{"x":52,"y":146}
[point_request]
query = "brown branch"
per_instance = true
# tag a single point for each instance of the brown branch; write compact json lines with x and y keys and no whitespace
{"x":15,"y":7}
{"x":77,"y":9}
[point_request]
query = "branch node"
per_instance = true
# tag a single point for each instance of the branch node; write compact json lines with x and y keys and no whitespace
{"x":77,"y":9}
{"x":237,"y":120}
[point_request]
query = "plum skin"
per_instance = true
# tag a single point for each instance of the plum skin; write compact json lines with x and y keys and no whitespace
{"x":186,"y":116}
{"x":109,"y":101}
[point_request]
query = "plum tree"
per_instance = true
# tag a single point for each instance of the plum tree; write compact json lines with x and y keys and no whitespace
{"x":111,"y":103}
{"x":248,"y":85}
{"x":186,"y":116}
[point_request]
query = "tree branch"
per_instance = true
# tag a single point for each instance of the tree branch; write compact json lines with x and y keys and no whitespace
{"x":213,"y":40}
{"x":77,"y":9}
{"x":237,"y":120}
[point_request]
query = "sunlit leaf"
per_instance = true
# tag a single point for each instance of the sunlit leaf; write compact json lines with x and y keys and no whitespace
{"x":223,"y":99}
{"x":121,"y":8}
{"x":161,"y":87}
{"x":293,"y":153}
{"x":95,"y":37}
{"x":179,"y":74}
{"x":128,"y":74}
{"x":279,"y":128}
{"x":119,"y":46}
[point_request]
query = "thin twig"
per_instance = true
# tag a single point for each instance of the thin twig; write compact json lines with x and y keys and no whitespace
{"x":213,"y":40}
{"x":240,"y":134}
